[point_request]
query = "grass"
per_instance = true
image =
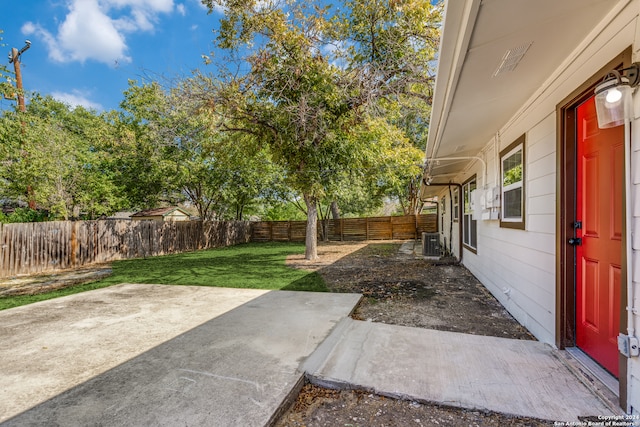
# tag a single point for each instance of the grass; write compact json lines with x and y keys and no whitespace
{"x":252,"y":265}
{"x":381,"y":249}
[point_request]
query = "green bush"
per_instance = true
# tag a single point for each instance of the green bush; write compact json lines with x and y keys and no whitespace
{"x":24,"y":215}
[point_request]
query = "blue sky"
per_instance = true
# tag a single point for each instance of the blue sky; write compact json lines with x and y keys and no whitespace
{"x":84,"y":51}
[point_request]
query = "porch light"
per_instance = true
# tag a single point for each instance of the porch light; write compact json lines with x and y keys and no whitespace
{"x":613,"y":96}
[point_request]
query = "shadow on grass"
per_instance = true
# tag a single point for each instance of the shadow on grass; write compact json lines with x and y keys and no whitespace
{"x":312,"y":282}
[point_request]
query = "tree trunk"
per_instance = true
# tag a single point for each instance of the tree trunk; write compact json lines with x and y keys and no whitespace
{"x":311,"y":240}
{"x":335,"y":212}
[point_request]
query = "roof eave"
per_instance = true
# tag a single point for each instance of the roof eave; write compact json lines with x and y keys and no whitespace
{"x":458,"y":25}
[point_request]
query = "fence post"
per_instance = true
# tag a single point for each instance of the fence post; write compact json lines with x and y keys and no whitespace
{"x":366,"y":228}
{"x":74,"y":244}
{"x":3,"y":250}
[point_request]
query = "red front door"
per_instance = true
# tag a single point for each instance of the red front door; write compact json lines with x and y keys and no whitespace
{"x":600,"y":163}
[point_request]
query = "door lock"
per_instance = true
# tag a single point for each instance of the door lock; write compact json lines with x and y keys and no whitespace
{"x":575,"y":241}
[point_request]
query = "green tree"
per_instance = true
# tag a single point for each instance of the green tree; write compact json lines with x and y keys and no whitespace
{"x":55,"y":152}
{"x":6,"y":77}
{"x":253,"y":176}
{"x":184,"y":154}
{"x":314,"y":78}
{"x":137,"y":149}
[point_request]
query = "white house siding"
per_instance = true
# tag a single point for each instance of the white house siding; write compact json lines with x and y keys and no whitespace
{"x":176,"y":216}
{"x":518,"y":266}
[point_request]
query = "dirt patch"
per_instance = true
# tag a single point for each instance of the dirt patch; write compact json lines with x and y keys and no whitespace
{"x":320,"y":407}
{"x":407,"y":290}
{"x":38,"y":284}
{"x":402,"y":289}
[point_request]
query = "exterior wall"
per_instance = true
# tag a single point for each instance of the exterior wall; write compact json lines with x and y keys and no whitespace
{"x":173,"y":216}
{"x":449,"y":229}
{"x":147,"y":218}
{"x":176,"y":216}
{"x":518,"y":266}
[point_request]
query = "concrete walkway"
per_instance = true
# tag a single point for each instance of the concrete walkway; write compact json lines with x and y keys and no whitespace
{"x":160,"y":355}
{"x":514,"y":377}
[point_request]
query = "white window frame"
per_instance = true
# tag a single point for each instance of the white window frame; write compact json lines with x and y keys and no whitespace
{"x":469,"y":225}
{"x":517,"y":222}
{"x":456,"y":205}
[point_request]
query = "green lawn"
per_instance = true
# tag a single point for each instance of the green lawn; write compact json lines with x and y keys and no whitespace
{"x":252,"y":265}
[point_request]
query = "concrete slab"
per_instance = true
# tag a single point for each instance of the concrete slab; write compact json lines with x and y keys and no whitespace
{"x":159,"y":355}
{"x":408,"y":248}
{"x":510,"y":376}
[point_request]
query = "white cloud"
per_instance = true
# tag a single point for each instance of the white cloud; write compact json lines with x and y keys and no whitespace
{"x":157,"y":6}
{"x":77,"y":98}
{"x":199,"y":3}
{"x":96,"y":29}
{"x":181,"y":9}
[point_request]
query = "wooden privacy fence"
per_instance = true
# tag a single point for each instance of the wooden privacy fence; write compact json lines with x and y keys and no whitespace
{"x":31,"y":248}
{"x":376,"y":228}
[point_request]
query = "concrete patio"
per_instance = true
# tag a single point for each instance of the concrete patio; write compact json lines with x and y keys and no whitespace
{"x":160,"y":355}
{"x":180,"y":355}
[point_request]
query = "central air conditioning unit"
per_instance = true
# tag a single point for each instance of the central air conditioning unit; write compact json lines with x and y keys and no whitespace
{"x":431,"y":244}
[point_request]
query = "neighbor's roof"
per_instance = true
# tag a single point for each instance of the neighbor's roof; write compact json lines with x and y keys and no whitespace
{"x":159,"y":211}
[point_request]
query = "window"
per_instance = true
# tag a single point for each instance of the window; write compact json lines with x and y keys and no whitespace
{"x":469,"y":225}
{"x":512,"y":163}
{"x":443,"y":209}
{"x":455,"y":204}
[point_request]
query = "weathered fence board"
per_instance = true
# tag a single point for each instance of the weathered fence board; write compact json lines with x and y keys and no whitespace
{"x":31,"y":248}
{"x":374,"y":228}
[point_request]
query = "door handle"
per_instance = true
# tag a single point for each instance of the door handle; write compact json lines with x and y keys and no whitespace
{"x":575,"y":241}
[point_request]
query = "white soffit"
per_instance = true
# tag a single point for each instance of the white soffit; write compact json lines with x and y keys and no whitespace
{"x":494,"y":55}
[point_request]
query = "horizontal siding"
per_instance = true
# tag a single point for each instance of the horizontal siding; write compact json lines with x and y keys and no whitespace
{"x":545,"y":204}
{"x":636,"y":270}
{"x":527,"y":303}
{"x":497,"y":238}
{"x":541,"y":223}
{"x":635,"y":172}
{"x":523,"y":261}
{"x":543,"y":131}
{"x":511,"y":257}
{"x":540,"y":150}
{"x":635,"y":242}
{"x":541,"y":185}
{"x":545,"y":166}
